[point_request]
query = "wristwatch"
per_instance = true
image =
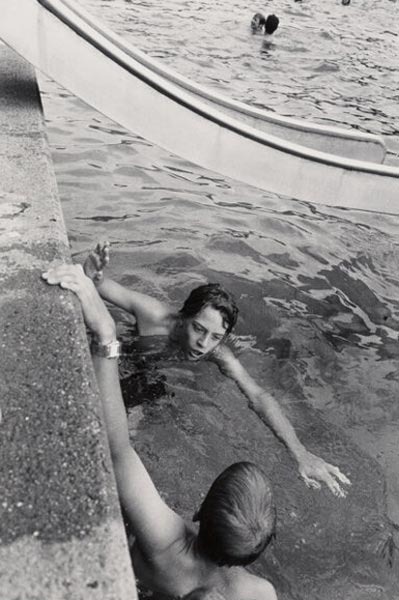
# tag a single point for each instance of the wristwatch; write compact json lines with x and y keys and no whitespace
{"x":111,"y":350}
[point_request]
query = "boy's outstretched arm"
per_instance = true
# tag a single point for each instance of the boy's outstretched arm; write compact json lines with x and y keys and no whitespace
{"x":146,"y":309}
{"x":312,"y":468}
{"x":153,"y":523}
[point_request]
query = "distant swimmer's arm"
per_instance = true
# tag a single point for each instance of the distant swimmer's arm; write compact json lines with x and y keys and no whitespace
{"x":154,"y":524}
{"x":146,"y":309}
{"x":312,"y":468}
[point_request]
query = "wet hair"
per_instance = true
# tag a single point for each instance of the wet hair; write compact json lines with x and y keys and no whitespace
{"x":258,"y":21}
{"x":212,"y":294}
{"x":271,"y":24}
{"x":237,"y":517}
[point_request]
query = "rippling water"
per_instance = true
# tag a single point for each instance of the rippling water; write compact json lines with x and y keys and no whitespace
{"x":318,"y":287}
{"x":329,"y":63}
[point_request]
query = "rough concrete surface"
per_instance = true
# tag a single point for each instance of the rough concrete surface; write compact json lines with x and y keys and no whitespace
{"x":61,"y":532}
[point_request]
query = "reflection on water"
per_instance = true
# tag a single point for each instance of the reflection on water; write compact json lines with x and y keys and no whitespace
{"x":317,"y":287}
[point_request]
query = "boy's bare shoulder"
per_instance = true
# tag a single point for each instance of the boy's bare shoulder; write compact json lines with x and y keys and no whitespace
{"x":257,"y":588}
{"x":156,"y":319}
{"x":251,"y":587}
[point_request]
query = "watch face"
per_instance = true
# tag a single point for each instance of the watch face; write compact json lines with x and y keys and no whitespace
{"x":111,"y":350}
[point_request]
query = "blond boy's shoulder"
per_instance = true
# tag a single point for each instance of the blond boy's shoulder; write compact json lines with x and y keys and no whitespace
{"x":251,"y":587}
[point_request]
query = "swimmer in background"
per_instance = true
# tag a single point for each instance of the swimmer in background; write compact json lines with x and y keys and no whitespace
{"x":268,"y":25}
{"x":199,"y":330}
{"x":346,"y":2}
{"x":271,"y":25}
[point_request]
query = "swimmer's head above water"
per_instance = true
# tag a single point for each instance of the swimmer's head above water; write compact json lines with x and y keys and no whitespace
{"x":208,"y":316}
{"x":271,"y":24}
{"x":237,"y":518}
{"x":258,"y":21}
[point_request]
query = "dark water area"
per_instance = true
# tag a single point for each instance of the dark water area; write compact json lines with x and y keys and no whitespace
{"x":317,"y":287}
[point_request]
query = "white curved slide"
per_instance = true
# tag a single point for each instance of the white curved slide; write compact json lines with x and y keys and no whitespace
{"x":57,"y":38}
{"x":333,"y":140}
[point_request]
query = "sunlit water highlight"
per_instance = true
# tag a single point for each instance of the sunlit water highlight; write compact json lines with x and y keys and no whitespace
{"x":318,"y":287}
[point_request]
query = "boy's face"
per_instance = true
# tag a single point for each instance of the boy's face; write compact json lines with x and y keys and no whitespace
{"x":203,"y":333}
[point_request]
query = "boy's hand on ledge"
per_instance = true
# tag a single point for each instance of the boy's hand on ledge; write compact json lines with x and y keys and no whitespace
{"x":314,"y":470}
{"x":96,"y":262}
{"x":96,"y":315}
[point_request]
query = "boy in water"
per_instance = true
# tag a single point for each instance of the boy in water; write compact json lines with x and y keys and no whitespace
{"x":199,"y":331}
{"x":236,"y":518}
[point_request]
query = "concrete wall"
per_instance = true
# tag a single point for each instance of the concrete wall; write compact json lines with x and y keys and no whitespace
{"x":61,"y":533}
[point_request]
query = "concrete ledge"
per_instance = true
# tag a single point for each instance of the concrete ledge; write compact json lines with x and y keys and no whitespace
{"x":61,"y":533}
